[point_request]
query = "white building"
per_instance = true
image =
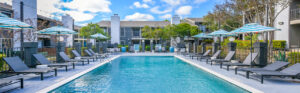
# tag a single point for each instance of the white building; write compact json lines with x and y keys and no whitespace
{"x":289,"y":23}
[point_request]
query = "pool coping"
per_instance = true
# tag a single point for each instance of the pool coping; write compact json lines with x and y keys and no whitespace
{"x":239,"y":84}
{"x":228,"y":79}
{"x":54,"y":86}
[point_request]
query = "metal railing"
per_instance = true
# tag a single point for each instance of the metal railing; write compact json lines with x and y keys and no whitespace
{"x":295,"y":14}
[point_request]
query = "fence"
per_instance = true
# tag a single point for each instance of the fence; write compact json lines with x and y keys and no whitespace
{"x":8,"y":52}
{"x":291,"y":55}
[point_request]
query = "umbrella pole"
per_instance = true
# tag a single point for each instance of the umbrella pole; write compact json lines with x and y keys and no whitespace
{"x":251,"y":49}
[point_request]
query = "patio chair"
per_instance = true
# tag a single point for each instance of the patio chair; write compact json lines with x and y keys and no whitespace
{"x":10,"y":80}
{"x":216,"y":55}
{"x":292,"y":71}
{"x":42,"y":60}
{"x":101,"y":55}
{"x":228,"y":57}
{"x":17,"y":66}
{"x":247,"y":62}
{"x":76,"y":54}
{"x":66,"y":58}
{"x":271,"y":67}
{"x":199,"y":55}
{"x":89,"y":54}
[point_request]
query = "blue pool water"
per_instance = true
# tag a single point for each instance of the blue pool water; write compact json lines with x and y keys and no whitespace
{"x":148,"y":75}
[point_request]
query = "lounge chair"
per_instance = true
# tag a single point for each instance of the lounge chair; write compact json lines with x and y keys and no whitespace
{"x":204,"y":55}
{"x":101,"y":55}
{"x":9,"y":81}
{"x":192,"y":55}
{"x":271,"y":67}
{"x":292,"y":71}
{"x":42,"y":60}
{"x":228,"y":57}
{"x":66,"y":58}
{"x":76,"y":54}
{"x":17,"y":66}
{"x":216,"y":55}
{"x":89,"y":54}
{"x":247,"y":62}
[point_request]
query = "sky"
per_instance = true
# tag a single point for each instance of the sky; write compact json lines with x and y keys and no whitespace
{"x":93,"y":11}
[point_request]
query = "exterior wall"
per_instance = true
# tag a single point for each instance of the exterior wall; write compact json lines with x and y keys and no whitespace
{"x":175,"y":20}
{"x":68,"y":22}
{"x":115,"y":29}
{"x":284,"y":18}
{"x":294,"y":35}
{"x":30,"y":17}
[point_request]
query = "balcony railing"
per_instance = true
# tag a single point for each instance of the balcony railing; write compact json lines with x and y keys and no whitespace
{"x":295,"y":14}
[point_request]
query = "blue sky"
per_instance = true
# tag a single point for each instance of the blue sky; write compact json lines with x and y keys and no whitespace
{"x":86,"y":11}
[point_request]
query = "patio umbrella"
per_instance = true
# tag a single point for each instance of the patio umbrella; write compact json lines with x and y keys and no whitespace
{"x":219,"y":33}
{"x":99,"y":35}
{"x":254,"y":28}
{"x":202,"y":35}
{"x":6,"y":22}
{"x":57,"y":30}
{"x":3,"y":15}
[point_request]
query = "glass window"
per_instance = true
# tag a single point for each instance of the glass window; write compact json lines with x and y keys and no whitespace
{"x":122,"y":32}
{"x":136,"y":32}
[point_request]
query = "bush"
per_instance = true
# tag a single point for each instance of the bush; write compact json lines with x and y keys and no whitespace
{"x":208,"y":41}
{"x":294,"y":57}
{"x":147,"y":47}
{"x":69,"y":52}
{"x":279,"y":44}
{"x":82,"y":50}
{"x":2,"y":63}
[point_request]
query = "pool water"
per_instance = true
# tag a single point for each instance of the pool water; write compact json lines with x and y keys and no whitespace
{"x":148,"y":74}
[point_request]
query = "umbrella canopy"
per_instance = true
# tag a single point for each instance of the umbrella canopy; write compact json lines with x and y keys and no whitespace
{"x":219,"y":33}
{"x":255,"y":28}
{"x":202,"y":35}
{"x":3,"y":15}
{"x":6,"y":22}
{"x":99,"y":35}
{"x":57,"y":30}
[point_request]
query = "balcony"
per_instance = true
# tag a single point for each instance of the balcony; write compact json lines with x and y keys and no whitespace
{"x":295,"y":16}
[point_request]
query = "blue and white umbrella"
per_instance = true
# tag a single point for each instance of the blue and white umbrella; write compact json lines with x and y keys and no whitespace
{"x":202,"y":35}
{"x":99,"y":35}
{"x":57,"y":30}
{"x":218,"y":33}
{"x":254,"y":28}
{"x":6,"y":22}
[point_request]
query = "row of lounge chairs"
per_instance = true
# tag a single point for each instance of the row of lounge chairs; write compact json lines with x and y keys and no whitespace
{"x":17,"y":66}
{"x":278,"y":68}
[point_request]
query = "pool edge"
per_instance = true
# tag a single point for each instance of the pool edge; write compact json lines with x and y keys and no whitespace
{"x":239,"y":84}
{"x":54,"y":86}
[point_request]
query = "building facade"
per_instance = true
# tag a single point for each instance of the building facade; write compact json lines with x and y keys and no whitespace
{"x":289,"y":22}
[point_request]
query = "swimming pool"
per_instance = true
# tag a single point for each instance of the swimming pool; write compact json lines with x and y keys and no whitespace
{"x":148,"y":74}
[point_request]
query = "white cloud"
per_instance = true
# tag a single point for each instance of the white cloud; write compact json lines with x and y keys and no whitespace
{"x":90,"y":5}
{"x":139,"y":17}
{"x":80,"y":16}
{"x":48,"y":7}
{"x":139,"y":5}
{"x":173,"y":2}
{"x":157,"y":11}
{"x":184,"y":10}
{"x":6,"y":1}
{"x":199,"y":1}
{"x":166,"y":16}
{"x":147,"y":1}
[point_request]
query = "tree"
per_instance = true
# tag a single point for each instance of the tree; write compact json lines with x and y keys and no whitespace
{"x":147,"y":32}
{"x":182,"y":29}
{"x":91,"y":29}
{"x":194,"y":30}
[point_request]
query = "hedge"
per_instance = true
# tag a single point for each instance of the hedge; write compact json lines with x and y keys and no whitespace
{"x":294,"y":57}
{"x":2,"y":63}
{"x":279,"y":44}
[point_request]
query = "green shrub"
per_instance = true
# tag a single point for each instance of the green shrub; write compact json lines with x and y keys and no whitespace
{"x":208,"y":41}
{"x":82,"y":50}
{"x":69,"y":52}
{"x":279,"y":44}
{"x":147,"y":47}
{"x":294,"y":57}
{"x":2,"y":63}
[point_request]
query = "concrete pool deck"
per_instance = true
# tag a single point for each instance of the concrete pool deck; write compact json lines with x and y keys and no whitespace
{"x":34,"y":85}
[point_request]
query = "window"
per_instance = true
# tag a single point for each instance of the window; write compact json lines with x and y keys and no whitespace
{"x":136,"y":32}
{"x":122,"y":32}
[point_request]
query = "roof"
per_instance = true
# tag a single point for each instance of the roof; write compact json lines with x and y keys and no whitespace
{"x":136,"y":23}
{"x":194,"y":19}
{"x":5,"y":6}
